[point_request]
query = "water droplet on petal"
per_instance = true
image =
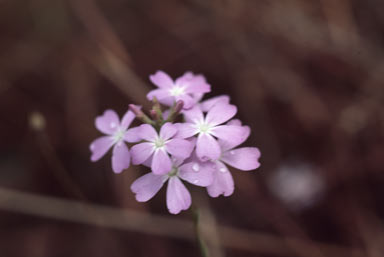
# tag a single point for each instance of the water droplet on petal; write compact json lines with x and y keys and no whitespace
{"x":113,"y":125}
{"x":223,"y":169}
{"x":196,"y":181}
{"x":196,"y":167}
{"x":232,"y":152}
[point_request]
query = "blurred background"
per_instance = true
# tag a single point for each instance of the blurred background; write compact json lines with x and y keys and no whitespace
{"x":307,"y":76}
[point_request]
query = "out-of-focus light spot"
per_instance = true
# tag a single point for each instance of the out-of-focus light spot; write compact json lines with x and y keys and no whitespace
{"x":299,"y":186}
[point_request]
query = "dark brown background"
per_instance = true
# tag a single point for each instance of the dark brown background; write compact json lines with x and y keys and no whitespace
{"x":307,"y":76}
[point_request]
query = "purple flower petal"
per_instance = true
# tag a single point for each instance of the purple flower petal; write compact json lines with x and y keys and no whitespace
{"x":179,"y":148}
{"x":108,"y":123}
{"x":207,"y":148}
{"x":127,"y":119}
{"x":185,"y":79}
{"x":100,"y":147}
{"x":234,"y":122}
{"x":121,"y":157}
{"x":185,"y":130}
{"x":209,"y":103}
{"x":198,"y":86}
{"x":161,"y":163}
{"x":226,"y":145}
{"x":245,"y":158}
{"x":220,"y":113}
{"x":234,"y":135}
{"x":161,"y":79}
{"x":167,"y":101}
{"x":141,"y":152}
{"x":178,"y":197}
{"x":148,"y":162}
{"x":147,"y":132}
{"x":197,"y":173}
{"x":193,"y":115}
{"x":145,"y":187}
{"x":160,"y":94}
{"x":167,"y":131}
{"x":222,"y":183}
{"x":166,"y":114}
{"x":132,"y":135}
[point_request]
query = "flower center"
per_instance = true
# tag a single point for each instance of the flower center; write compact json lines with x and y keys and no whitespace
{"x":159,"y":143}
{"x":119,"y":135}
{"x":176,"y":91}
{"x":173,"y":172}
{"x":204,"y":128}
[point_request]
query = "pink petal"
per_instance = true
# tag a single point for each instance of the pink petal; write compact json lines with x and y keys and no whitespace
{"x":160,"y":95}
{"x":167,"y":101}
{"x":161,"y":163}
{"x":209,"y":103}
{"x":234,"y":122}
{"x":222,"y":183}
{"x":132,"y":135}
{"x":245,"y":158}
{"x":185,"y":130}
{"x":127,"y":119}
{"x":193,"y":115}
{"x":234,"y":135}
{"x":108,"y":123}
{"x":145,"y":187}
{"x":179,"y":148}
{"x":220,"y":113}
{"x":178,"y":197}
{"x":207,"y":148}
{"x":197,"y":173}
{"x":167,"y":131}
{"x":121,"y":157}
{"x":148,"y":162}
{"x":161,"y":79}
{"x":166,"y":114}
{"x":147,"y":132}
{"x":198,"y":85}
{"x":141,"y":152}
{"x":187,"y":77}
{"x":100,"y":147}
{"x":226,"y":145}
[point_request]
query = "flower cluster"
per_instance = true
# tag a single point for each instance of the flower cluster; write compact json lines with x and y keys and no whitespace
{"x":194,"y":140}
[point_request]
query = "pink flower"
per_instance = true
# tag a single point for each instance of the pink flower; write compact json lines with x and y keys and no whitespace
{"x":189,"y":88}
{"x":117,"y":132}
{"x":245,"y":158}
{"x":208,"y":128}
{"x":178,"y":196}
{"x":157,"y":147}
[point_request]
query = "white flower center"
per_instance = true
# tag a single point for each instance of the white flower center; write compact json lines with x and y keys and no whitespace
{"x":159,"y":143}
{"x":177,"y":91}
{"x":119,"y":135}
{"x":204,"y":128}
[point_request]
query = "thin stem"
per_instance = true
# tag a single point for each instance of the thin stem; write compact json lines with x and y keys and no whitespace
{"x":202,"y":245}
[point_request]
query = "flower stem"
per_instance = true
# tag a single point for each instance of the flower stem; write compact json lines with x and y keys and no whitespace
{"x":199,"y":237}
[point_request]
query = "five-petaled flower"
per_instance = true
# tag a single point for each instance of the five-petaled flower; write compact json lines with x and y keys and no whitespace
{"x":189,"y":88}
{"x":208,"y":127}
{"x":178,"y":197}
{"x":117,"y":132}
{"x":158,"y":146}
